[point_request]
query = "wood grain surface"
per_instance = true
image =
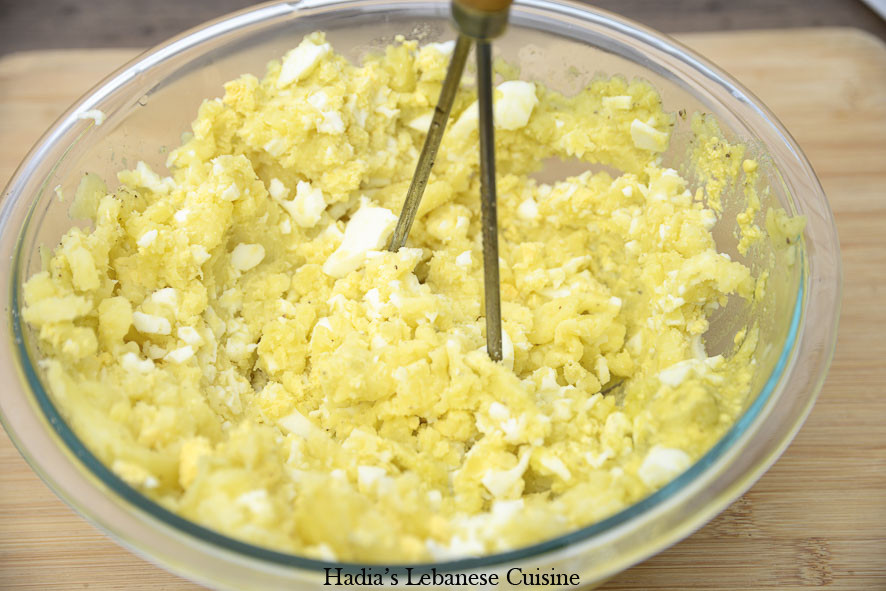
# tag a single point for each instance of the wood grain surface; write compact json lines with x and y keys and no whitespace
{"x":816,"y":519}
{"x":65,"y":24}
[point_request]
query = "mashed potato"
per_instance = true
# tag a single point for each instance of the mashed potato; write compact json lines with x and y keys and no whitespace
{"x":234,"y":341}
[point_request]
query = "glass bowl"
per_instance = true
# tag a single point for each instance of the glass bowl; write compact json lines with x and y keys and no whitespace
{"x":153,"y":99}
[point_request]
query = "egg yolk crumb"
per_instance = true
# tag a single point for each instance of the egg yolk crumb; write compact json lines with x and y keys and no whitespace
{"x":235,"y":341}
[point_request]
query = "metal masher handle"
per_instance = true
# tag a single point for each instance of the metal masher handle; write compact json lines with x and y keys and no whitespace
{"x":491,"y":281}
{"x":432,"y":143}
{"x":481,"y":20}
{"x":484,"y":20}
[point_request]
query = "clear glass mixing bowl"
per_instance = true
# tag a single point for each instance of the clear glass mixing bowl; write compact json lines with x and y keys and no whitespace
{"x":152,"y":100}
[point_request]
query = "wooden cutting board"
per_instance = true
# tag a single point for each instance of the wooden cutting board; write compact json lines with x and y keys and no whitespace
{"x":816,"y":519}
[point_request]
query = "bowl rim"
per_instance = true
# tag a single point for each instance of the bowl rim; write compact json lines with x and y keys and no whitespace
{"x":563,"y":8}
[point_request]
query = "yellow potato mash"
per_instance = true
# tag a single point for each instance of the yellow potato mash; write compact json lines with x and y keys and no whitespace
{"x":235,"y":341}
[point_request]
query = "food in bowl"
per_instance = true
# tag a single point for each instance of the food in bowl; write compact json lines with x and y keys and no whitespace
{"x":234,"y":341}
